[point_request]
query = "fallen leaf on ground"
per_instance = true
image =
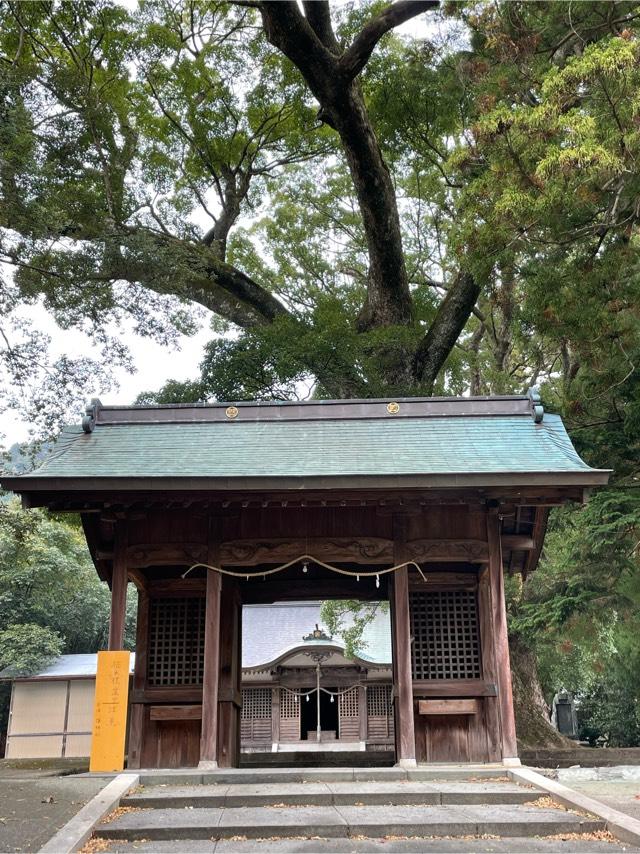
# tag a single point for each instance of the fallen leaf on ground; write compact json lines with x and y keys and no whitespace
{"x":595,"y":836}
{"x":116,"y":813}
{"x":546,"y":803}
{"x":97,"y":843}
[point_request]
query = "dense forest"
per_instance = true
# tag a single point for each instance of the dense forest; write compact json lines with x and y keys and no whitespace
{"x":361,"y":200}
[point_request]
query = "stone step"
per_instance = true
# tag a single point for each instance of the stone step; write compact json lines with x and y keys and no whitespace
{"x":319,"y":759}
{"x":255,"y":776}
{"x":510,"y":845}
{"x":329,"y":794}
{"x":344,"y":821}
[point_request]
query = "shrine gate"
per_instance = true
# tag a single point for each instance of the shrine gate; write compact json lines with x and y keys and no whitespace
{"x":424,"y":502}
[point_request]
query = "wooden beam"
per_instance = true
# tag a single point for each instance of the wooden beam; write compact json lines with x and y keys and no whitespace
{"x":518,"y":542}
{"x":175,"y":713}
{"x":539,"y":531}
{"x":364,"y":550}
{"x":259,"y":592}
{"x":250,"y":552}
{"x":118,"y":587}
{"x":447,"y":707}
{"x":447,"y":551}
{"x":501,"y":640}
{"x":405,"y":733}
{"x":166,"y":554}
{"x":454,"y":688}
{"x":211,"y":671}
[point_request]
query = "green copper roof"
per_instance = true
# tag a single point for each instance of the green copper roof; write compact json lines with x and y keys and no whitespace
{"x":464,"y":442}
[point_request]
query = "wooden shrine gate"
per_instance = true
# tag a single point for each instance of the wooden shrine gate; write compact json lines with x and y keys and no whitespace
{"x":291,"y":502}
{"x":451,"y":664}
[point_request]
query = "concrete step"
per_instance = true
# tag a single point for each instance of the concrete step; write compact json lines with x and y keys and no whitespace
{"x":319,"y":759}
{"x":510,"y":845}
{"x":329,"y":794}
{"x":255,"y":776}
{"x":334,"y":822}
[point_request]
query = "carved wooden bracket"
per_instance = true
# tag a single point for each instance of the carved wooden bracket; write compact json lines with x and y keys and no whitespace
{"x":165,"y":554}
{"x":371,"y":550}
{"x":470,"y":551}
{"x":364,"y":550}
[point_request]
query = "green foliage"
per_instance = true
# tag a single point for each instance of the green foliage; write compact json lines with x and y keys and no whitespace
{"x":47,"y":578}
{"x":51,"y":600}
{"x":27,"y":647}
{"x":349,"y":618}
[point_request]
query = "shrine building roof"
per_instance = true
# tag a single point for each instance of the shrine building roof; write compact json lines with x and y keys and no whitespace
{"x":413,"y":442}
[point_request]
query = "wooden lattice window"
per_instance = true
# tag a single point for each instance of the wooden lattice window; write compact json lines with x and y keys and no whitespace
{"x":176,"y":641}
{"x":289,"y":716}
{"x":349,"y":718}
{"x":256,"y":703}
{"x":379,"y":700}
{"x":255,"y":723}
{"x":289,"y":704}
{"x":379,"y":713}
{"x":348,"y":707}
{"x":446,"y":638}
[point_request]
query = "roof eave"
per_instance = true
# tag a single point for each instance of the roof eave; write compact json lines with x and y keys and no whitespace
{"x":33,"y":483}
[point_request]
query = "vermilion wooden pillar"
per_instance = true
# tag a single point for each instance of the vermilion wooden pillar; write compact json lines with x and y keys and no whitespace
{"x":401,"y":645}
{"x":501,"y":641}
{"x":211,"y":671}
{"x":118,"y":587}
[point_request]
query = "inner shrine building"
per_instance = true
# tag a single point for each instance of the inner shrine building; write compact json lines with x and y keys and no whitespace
{"x":426,"y":503}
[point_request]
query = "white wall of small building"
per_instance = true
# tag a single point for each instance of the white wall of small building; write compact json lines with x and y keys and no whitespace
{"x":50,"y":718}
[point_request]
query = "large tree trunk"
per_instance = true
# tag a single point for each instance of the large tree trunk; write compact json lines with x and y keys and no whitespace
{"x":533,"y":727}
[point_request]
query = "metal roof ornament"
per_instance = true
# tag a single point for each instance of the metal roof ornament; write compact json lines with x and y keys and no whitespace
{"x":317,"y":634}
{"x":537,"y":409}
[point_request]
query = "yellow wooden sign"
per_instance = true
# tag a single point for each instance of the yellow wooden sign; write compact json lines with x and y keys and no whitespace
{"x":110,"y":712}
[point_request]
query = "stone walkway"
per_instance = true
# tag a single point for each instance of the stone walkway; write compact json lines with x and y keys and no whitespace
{"x":622,"y":795}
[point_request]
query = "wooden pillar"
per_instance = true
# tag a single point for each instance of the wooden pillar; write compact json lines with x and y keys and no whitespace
{"x":362,"y":711}
{"x":501,"y":641}
{"x":211,"y":669}
{"x":137,"y":714}
{"x":118,"y":587}
{"x":275,"y":718}
{"x":490,"y":705}
{"x":401,"y":629}
{"x":230,"y":687}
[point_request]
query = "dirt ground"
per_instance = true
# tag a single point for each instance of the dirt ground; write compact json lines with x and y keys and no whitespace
{"x":34,"y":804}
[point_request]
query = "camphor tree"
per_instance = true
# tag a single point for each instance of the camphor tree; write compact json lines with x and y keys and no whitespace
{"x":123,"y":133}
{"x":375,"y":212}
{"x":380,"y":213}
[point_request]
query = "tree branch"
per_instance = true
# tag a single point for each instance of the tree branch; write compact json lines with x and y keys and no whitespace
{"x":450,"y":320}
{"x":354,"y":59}
{"x":288,"y":30}
{"x":318,"y":14}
